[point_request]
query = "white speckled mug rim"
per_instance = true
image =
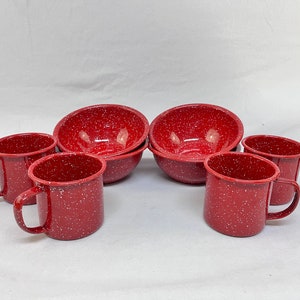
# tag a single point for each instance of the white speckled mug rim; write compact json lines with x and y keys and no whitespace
{"x":271,"y":155}
{"x":33,"y":152}
{"x":238,"y":180}
{"x":65,"y":183}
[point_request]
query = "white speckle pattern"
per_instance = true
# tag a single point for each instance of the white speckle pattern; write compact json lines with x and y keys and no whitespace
{"x":107,"y":130}
{"x":116,"y":132}
{"x":195,"y":130}
{"x":237,"y":194}
{"x":17,"y":153}
{"x":70,"y":205}
{"x":285,"y":153}
{"x":183,"y":136}
{"x":190,"y":172}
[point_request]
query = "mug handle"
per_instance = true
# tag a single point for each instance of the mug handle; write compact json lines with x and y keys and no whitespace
{"x":22,"y":200}
{"x":292,"y":206}
{"x":4,"y":187}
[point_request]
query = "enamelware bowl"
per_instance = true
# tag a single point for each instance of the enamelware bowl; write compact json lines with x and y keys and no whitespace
{"x":104,"y":129}
{"x":179,"y":168}
{"x":193,"y":131}
{"x":119,"y":167}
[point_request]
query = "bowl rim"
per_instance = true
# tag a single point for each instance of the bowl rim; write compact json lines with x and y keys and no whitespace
{"x":134,"y":152}
{"x":232,"y":145}
{"x":174,"y":157}
{"x":96,"y":106}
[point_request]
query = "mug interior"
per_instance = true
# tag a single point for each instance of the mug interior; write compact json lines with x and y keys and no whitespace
{"x":25,"y":143}
{"x":241,"y":166}
{"x":273,"y":145}
{"x":66,"y":168}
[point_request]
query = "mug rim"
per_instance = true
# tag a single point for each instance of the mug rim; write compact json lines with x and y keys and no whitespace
{"x":70,"y":182}
{"x":271,"y":155}
{"x":22,"y":154}
{"x":239,"y":180}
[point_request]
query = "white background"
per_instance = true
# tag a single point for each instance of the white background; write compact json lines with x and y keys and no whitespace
{"x":57,"y":56}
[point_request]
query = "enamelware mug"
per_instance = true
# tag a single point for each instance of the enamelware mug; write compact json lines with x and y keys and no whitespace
{"x":238,"y":191}
{"x":69,"y":192}
{"x":285,"y":153}
{"x":17,"y":153}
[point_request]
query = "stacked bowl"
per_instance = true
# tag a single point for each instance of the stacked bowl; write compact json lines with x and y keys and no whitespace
{"x":115,"y":132}
{"x":181,"y":137}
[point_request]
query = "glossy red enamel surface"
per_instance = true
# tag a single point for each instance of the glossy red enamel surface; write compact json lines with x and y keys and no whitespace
{"x":119,"y":167}
{"x":179,"y":169}
{"x":195,"y":130}
{"x":285,"y":153}
{"x":69,"y":191}
{"x":17,"y":153}
{"x":106,"y":130}
{"x":238,"y":189}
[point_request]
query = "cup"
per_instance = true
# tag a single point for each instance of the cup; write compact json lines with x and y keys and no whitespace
{"x":285,"y":153}
{"x":17,"y":153}
{"x":69,"y":192}
{"x":238,"y":190}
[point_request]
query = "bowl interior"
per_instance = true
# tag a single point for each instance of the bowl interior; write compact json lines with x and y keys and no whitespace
{"x":195,"y":130}
{"x":103,"y":130}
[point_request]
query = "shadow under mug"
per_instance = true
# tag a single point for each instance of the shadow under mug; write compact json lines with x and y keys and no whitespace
{"x":69,"y":192}
{"x":285,"y":153}
{"x":17,"y":153}
{"x":238,"y":191}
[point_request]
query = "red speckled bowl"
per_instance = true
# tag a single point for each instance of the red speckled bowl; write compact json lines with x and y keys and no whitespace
{"x":119,"y":167}
{"x":180,"y":169}
{"x":193,"y":131}
{"x":104,"y":129}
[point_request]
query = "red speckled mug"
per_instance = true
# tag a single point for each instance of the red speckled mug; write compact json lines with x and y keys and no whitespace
{"x":238,"y":191}
{"x":285,"y":153}
{"x":17,"y":153}
{"x":69,"y":193}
